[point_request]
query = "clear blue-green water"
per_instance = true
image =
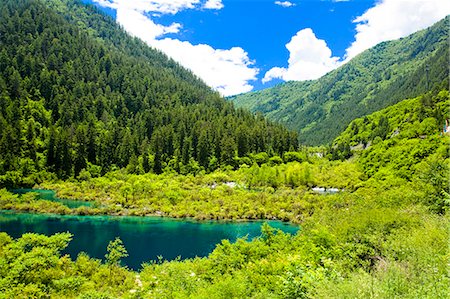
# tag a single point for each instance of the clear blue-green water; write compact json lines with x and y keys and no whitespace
{"x":145,"y":238}
{"x":51,"y":196}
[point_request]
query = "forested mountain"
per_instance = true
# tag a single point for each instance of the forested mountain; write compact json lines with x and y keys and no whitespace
{"x":414,"y":118}
{"x":76,"y":92}
{"x":395,"y":140}
{"x":377,"y":78}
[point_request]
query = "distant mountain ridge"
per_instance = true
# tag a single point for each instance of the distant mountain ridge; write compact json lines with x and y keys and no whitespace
{"x":377,"y":78}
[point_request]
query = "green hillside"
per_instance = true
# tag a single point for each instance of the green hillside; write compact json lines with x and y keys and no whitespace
{"x":377,"y":78}
{"x":402,"y":141}
{"x":77,"y":93}
{"x":413,"y":118}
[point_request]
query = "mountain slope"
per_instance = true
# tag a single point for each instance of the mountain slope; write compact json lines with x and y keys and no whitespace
{"x":391,"y":71}
{"x":76,"y":92}
{"x":406,"y":141}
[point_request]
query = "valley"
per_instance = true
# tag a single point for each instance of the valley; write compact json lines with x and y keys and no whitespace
{"x":123,"y":175}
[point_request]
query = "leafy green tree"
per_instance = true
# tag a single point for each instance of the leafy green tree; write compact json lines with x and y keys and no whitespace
{"x":436,"y":173}
{"x":116,"y":251}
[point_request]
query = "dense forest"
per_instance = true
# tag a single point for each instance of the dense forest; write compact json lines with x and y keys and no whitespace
{"x":384,"y":235}
{"x":78,"y":93}
{"x":377,"y":78}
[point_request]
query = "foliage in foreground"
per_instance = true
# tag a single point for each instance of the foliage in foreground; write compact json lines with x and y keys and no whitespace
{"x":33,"y":267}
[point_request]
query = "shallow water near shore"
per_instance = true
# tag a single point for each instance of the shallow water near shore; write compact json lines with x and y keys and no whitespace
{"x":51,"y":196}
{"x":146,"y":238}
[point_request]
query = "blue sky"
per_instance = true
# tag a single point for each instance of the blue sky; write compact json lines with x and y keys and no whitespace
{"x":242,"y":45}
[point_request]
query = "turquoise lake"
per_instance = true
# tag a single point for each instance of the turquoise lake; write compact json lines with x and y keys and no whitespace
{"x":51,"y":196}
{"x":145,"y":238}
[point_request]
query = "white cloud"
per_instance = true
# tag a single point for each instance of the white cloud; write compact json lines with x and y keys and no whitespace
{"x":228,"y":71}
{"x":213,"y":4}
{"x":137,"y":24}
{"x":392,"y":19}
{"x":284,"y":3}
{"x":309,"y":58}
{"x":161,"y":6}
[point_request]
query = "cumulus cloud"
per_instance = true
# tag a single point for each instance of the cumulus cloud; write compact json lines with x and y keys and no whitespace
{"x":284,"y":3}
{"x":213,"y":4}
{"x":228,"y":71}
{"x":309,"y":58}
{"x":161,"y":6}
{"x":137,"y":24}
{"x":392,"y":19}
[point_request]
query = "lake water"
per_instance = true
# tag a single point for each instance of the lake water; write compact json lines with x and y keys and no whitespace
{"x":145,"y":238}
{"x":51,"y":196}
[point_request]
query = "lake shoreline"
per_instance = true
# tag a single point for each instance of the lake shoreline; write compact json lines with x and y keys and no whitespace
{"x":95,"y":211}
{"x":168,"y":218}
